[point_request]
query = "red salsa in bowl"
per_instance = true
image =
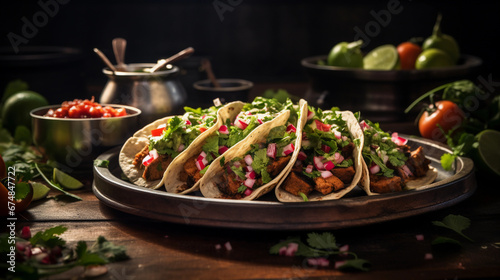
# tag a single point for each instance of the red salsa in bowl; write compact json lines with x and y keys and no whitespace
{"x":83,"y":109}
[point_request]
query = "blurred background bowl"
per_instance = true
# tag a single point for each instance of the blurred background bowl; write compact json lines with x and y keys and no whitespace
{"x":380,"y":95}
{"x":229,"y":90}
{"x":75,"y":143}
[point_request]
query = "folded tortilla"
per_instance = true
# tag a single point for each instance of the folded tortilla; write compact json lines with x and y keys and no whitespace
{"x":172,"y":177}
{"x":214,"y":175}
{"x":140,"y":139}
{"x":357,"y":137}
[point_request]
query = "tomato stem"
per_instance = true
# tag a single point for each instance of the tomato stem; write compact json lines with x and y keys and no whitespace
{"x":429,"y":94}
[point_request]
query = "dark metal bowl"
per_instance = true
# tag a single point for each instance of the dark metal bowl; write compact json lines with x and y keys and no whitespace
{"x":75,"y":143}
{"x":380,"y":95}
{"x":229,"y":90}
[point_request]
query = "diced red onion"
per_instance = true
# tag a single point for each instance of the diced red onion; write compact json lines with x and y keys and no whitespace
{"x":309,"y":168}
{"x":310,"y":114}
{"x":322,"y":262}
{"x":337,"y":134}
{"x":318,"y":163}
{"x":202,"y":155}
{"x":248,"y":192}
{"x":419,"y":237}
{"x":302,"y":156}
{"x":374,"y":169}
{"x":218,"y":246}
{"x":248,"y":168}
{"x":188,"y":122}
{"x":291,"y":249}
{"x":428,"y":256}
{"x":400,"y":141}
{"x":282,"y":251}
{"x":364,"y":125}
{"x":228,"y":246}
{"x":326,"y":174}
{"x":338,"y":158}
{"x":260,"y":121}
{"x":240,"y":124}
{"x":329,"y":165}
{"x":147,"y":160}
{"x":339,"y":264}
{"x":288,"y":149}
{"x":26,"y":233}
{"x":291,"y":128}
{"x":250,"y":175}
{"x":248,"y":159}
{"x":200,"y":164}
{"x":344,"y":249}
{"x":223,"y":129}
{"x":181,"y":148}
{"x":407,"y":170}
{"x":222,"y":149}
{"x":326,"y":148}
{"x":237,"y":164}
{"x":271,"y":150}
{"x":249,"y":182}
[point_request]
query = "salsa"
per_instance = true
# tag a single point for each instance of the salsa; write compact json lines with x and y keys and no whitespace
{"x":82,"y":109}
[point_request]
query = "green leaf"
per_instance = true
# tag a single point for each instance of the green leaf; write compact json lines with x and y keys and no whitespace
{"x":456,"y":223}
{"x":304,"y":196}
{"x":22,"y":190}
{"x":55,"y":185}
{"x":101,"y":163}
{"x":49,"y":237}
{"x":445,"y":241}
{"x":447,"y":161}
{"x":325,"y":241}
{"x":356,"y":264}
{"x":108,"y":250}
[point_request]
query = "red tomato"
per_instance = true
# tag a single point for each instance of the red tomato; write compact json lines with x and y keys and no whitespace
{"x":85,"y":109}
{"x":203,"y":129}
{"x":408,"y":53}
{"x":447,"y":114}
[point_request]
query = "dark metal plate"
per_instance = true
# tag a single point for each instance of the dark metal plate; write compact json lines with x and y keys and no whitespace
{"x":356,"y":209}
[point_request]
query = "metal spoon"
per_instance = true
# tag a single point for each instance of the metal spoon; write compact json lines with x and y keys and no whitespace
{"x":162,"y":62}
{"x":119,"y":45}
{"x":105,"y":59}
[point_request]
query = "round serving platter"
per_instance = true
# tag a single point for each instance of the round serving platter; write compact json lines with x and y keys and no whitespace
{"x":267,"y":213}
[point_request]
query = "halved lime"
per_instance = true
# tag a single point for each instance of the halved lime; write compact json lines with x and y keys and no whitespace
{"x":384,"y":57}
{"x":66,"y":181}
{"x":489,"y":149}
{"x":39,"y":190}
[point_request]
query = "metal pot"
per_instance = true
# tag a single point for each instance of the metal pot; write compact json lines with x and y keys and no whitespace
{"x":157,"y":94}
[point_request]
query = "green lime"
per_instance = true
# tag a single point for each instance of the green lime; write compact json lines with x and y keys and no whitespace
{"x":16,"y":110}
{"x":433,"y":58}
{"x":39,"y":190}
{"x":384,"y":57}
{"x":489,"y":149}
{"x":345,"y":54}
{"x":66,"y":181}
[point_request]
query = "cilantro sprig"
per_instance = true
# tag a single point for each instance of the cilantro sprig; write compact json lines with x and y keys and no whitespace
{"x":323,"y":245}
{"x":456,"y":223}
{"x":57,"y":256}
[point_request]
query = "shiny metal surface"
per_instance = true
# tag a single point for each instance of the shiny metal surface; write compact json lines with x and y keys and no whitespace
{"x":157,"y":94}
{"x":75,"y":143}
{"x":379,"y":94}
{"x":267,"y":213}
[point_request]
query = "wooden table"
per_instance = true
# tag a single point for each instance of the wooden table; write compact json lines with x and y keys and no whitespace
{"x":161,"y":250}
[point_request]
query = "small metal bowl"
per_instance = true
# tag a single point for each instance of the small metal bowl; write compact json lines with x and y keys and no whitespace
{"x":229,"y":90}
{"x":75,"y":143}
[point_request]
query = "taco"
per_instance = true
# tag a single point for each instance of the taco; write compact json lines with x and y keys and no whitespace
{"x":255,"y":165}
{"x":146,"y":155}
{"x":237,"y":121}
{"x":328,"y":165}
{"x":389,"y":165}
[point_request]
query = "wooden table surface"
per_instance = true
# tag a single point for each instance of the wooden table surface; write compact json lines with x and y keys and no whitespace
{"x":161,"y":250}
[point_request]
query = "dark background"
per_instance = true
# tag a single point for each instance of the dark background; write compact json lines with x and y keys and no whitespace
{"x":262,"y":41}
